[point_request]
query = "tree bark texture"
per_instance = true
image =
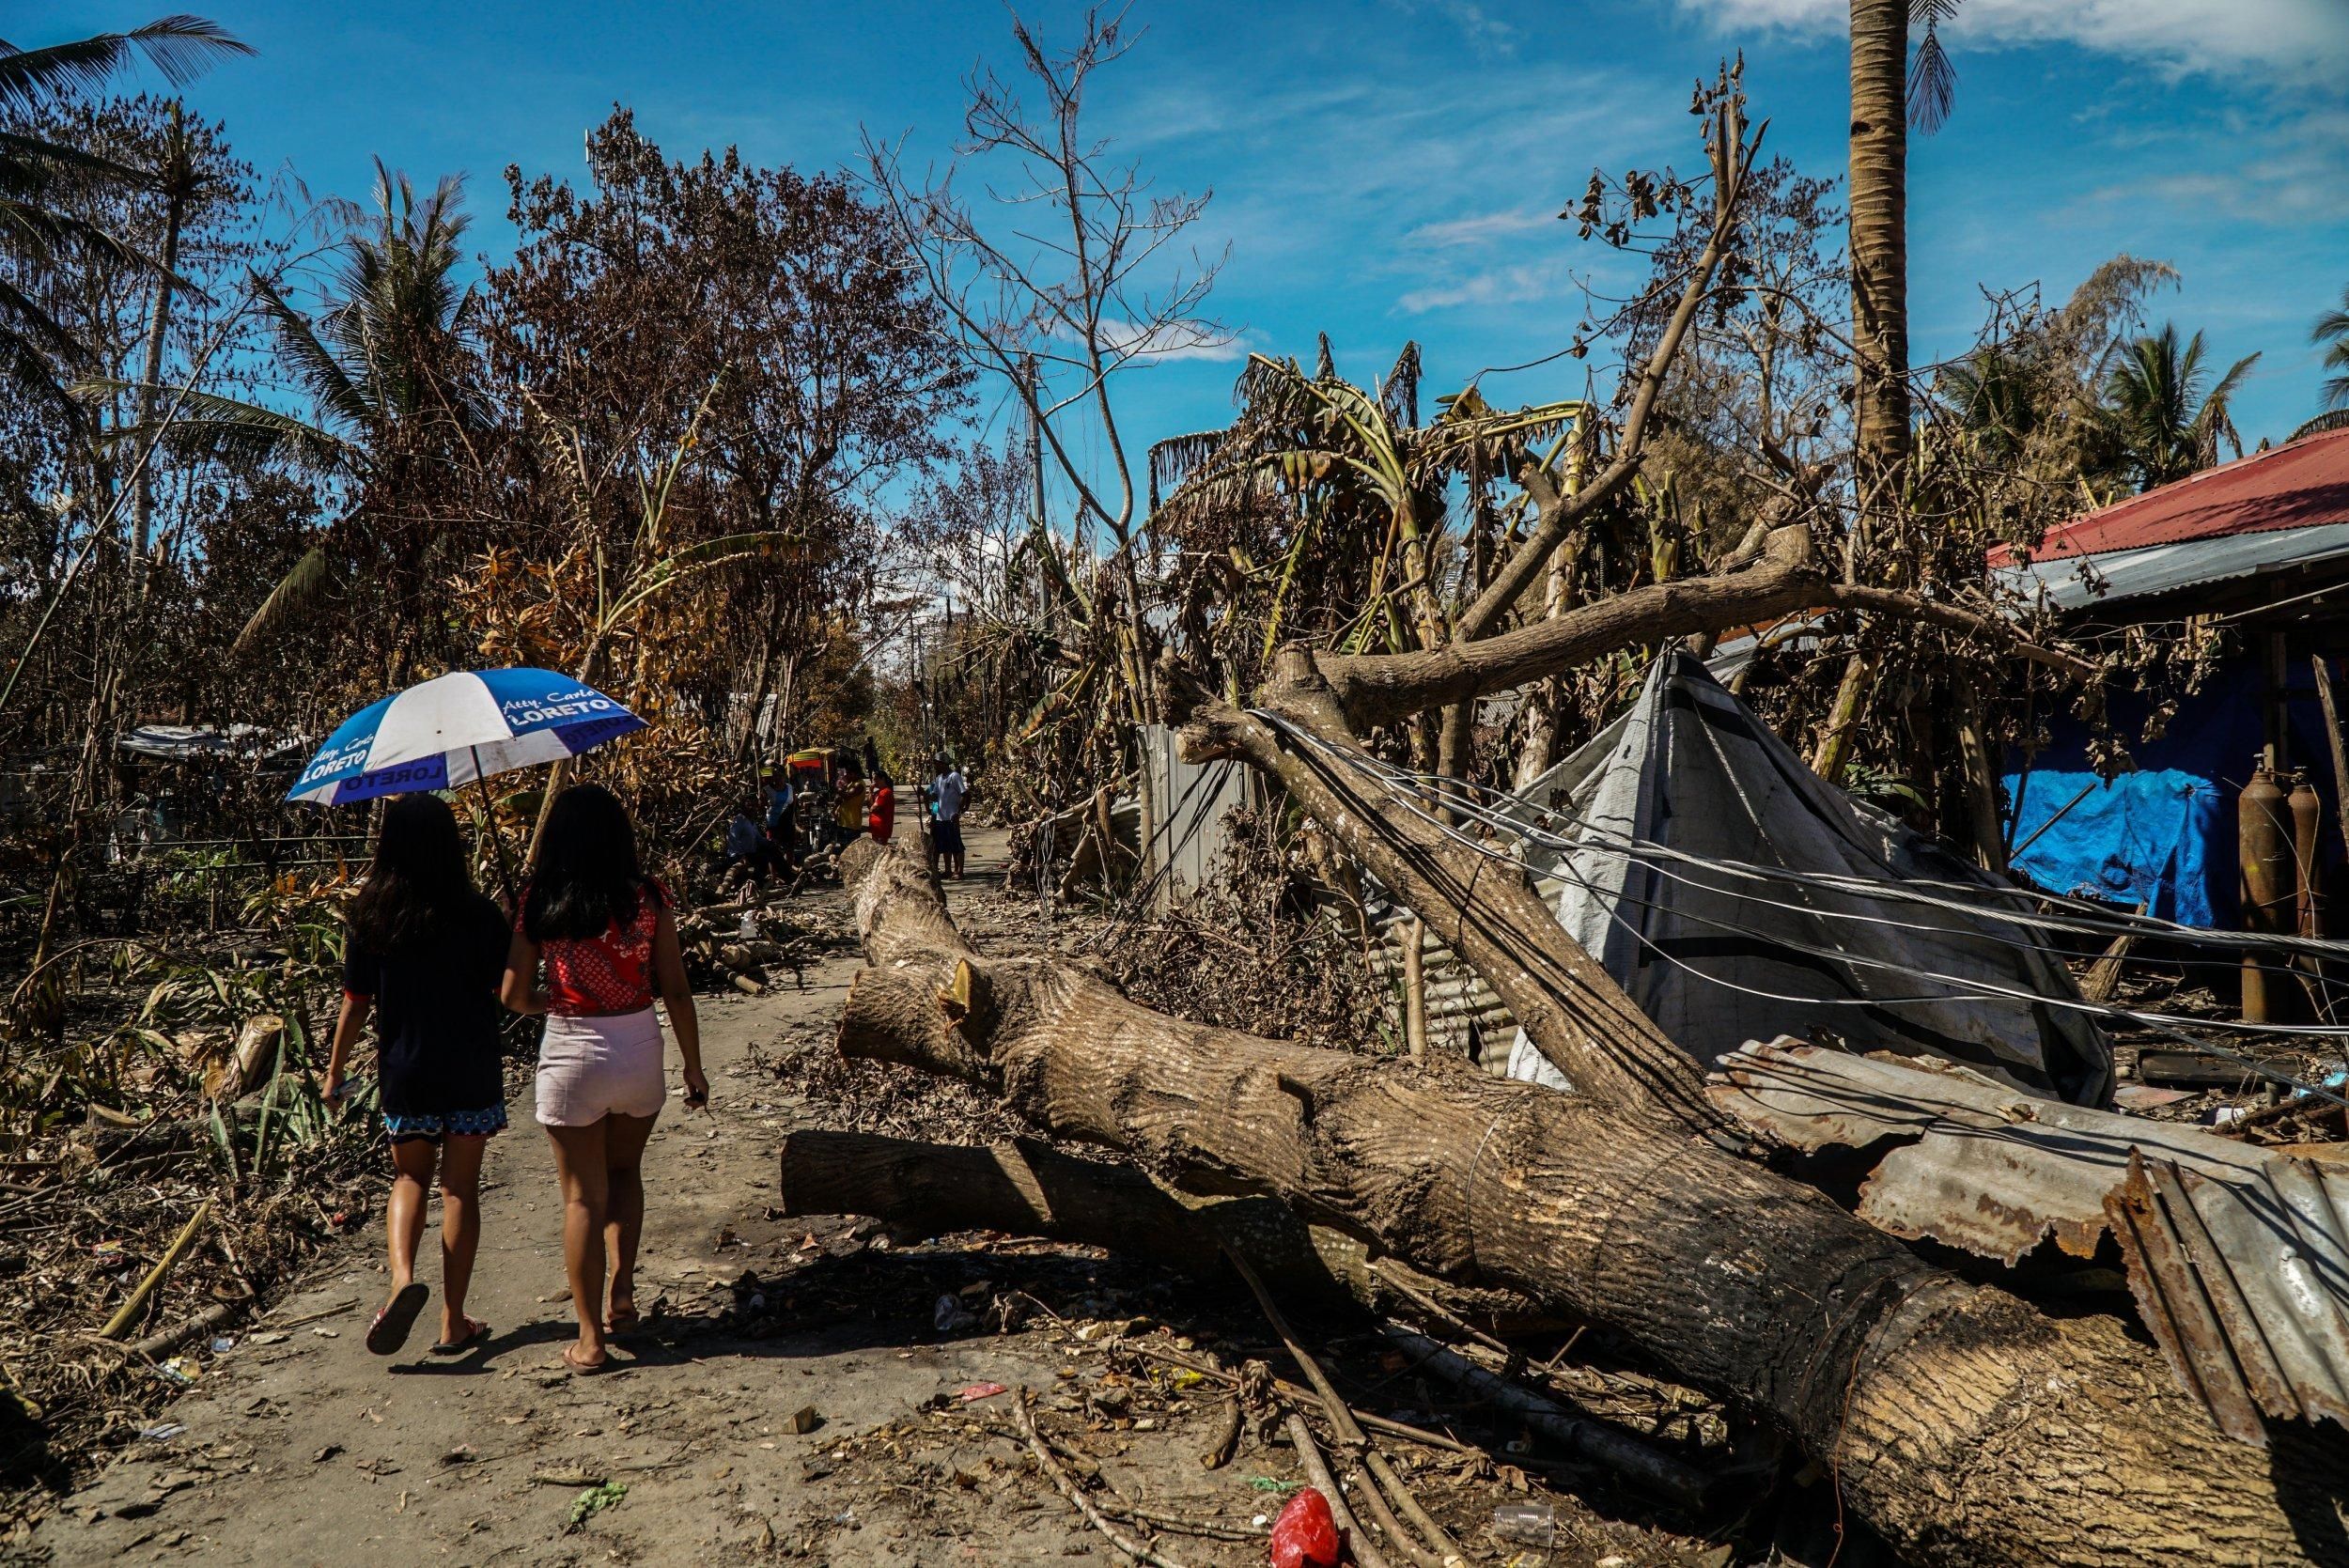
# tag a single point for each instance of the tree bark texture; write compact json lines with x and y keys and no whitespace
{"x":1026,"y":1188}
{"x":1843,"y":718}
{"x":1963,"y":1425}
{"x":1879,"y":246}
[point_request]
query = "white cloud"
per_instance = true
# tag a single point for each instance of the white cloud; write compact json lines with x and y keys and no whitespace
{"x":1174,"y":341}
{"x":1496,"y":285}
{"x":1483,"y":31}
{"x":1485,"y":229}
{"x":1412,"y":185}
{"x":2302,"y":42}
{"x":2287,"y":174}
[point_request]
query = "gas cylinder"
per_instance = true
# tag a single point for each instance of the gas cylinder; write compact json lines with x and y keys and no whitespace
{"x":2270,"y":891}
{"x":2308,"y":822}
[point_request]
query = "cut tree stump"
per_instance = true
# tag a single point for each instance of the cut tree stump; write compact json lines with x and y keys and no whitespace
{"x":1966,"y":1426}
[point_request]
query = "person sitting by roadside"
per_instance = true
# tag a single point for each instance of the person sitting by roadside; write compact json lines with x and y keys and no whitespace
{"x":747,"y":849}
{"x":881,"y":821}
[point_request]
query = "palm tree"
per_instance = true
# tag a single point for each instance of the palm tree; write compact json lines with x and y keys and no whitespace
{"x":1990,"y":394}
{"x":1354,"y":464}
{"x":37,"y":177}
{"x":387,"y":369}
{"x":2169,"y":416}
{"x":2332,"y":332}
{"x":1884,"y":100}
{"x":1879,"y":244}
{"x":383,"y":366}
{"x":1887,"y":97}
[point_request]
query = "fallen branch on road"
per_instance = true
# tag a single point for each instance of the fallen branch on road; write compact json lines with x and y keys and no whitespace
{"x":1049,"y":1462}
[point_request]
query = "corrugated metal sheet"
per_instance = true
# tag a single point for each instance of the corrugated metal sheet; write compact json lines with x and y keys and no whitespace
{"x":1191,"y":801}
{"x":2298,"y":485}
{"x":2244,"y":1339}
{"x":2238,"y":1256}
{"x":2071,"y":582}
{"x":1466,"y":1020}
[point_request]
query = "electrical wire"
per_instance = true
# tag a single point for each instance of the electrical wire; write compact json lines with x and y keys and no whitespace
{"x":2092,"y":920}
{"x":1385,"y":778}
{"x":1648,"y":854}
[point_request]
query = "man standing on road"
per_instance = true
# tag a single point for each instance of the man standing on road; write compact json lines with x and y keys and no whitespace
{"x":946,"y":794}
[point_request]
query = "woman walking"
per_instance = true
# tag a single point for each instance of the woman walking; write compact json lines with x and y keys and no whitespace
{"x":607,"y":939}
{"x":424,"y":952}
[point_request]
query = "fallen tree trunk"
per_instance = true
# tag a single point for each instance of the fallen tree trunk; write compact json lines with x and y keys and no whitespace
{"x":1966,"y":1427}
{"x":1024,"y":1188}
{"x":1653,"y":1470}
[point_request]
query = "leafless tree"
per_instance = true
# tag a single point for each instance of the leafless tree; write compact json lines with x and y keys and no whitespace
{"x":1082,"y":272}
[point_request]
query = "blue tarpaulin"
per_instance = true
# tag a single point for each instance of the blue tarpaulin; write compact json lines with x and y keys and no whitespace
{"x":2163,"y":836}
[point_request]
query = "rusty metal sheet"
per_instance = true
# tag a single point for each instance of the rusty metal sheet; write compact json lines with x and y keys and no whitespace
{"x":2238,"y":1256}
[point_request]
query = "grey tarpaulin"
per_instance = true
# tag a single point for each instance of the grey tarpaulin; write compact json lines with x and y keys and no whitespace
{"x":1717,"y":960}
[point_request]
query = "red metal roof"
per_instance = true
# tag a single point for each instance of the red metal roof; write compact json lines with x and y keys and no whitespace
{"x":2295,"y":485}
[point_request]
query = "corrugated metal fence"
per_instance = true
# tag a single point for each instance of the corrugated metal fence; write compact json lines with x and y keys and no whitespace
{"x":1189,"y":804}
{"x":1464,"y":1018}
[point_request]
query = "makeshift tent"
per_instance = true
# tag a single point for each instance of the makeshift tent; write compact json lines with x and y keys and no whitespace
{"x":1663,"y":808}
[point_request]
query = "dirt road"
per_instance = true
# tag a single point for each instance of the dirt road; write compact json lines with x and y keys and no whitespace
{"x":300,"y":1448}
{"x":297,"y":1447}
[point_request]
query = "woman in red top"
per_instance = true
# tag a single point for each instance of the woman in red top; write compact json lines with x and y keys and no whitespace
{"x":608,"y":944}
{"x":883,"y":818}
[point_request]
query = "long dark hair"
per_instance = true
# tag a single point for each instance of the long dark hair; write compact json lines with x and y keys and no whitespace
{"x":419,"y":879}
{"x":587,"y":879}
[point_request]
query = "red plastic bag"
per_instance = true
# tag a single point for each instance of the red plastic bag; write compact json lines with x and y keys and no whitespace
{"x":1305,"y":1536}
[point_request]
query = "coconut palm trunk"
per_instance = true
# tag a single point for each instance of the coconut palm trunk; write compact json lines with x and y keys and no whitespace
{"x":1879,"y":308}
{"x":1879,"y":252}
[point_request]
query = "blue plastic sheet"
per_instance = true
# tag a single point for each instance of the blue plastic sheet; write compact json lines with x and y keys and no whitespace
{"x":2164,"y":835}
{"x":2159,"y":838}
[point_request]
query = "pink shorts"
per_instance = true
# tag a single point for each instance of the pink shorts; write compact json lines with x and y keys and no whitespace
{"x":590,"y":1067}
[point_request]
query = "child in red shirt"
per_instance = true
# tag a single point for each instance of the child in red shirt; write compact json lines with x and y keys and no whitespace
{"x":883,"y":818}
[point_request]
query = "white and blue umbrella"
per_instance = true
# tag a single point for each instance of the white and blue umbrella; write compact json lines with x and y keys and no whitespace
{"x":457,"y":729}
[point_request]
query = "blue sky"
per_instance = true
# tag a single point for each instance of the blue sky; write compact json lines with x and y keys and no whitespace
{"x":1390,"y":169}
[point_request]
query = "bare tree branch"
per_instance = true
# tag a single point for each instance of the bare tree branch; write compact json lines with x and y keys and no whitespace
{"x":1733,"y":161}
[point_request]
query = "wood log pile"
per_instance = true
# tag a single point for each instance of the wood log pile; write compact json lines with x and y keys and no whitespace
{"x":748,"y":942}
{"x":1965,"y":1425}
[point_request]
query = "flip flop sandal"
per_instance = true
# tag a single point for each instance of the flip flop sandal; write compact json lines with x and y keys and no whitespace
{"x":584,"y":1369}
{"x":476,"y":1331}
{"x":624,"y":1320}
{"x":395,"y":1318}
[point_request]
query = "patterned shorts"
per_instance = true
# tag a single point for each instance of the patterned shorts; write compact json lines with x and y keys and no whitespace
{"x":433,"y":1127}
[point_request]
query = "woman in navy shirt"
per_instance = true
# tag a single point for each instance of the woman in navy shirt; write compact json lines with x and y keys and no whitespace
{"x":425,"y":952}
